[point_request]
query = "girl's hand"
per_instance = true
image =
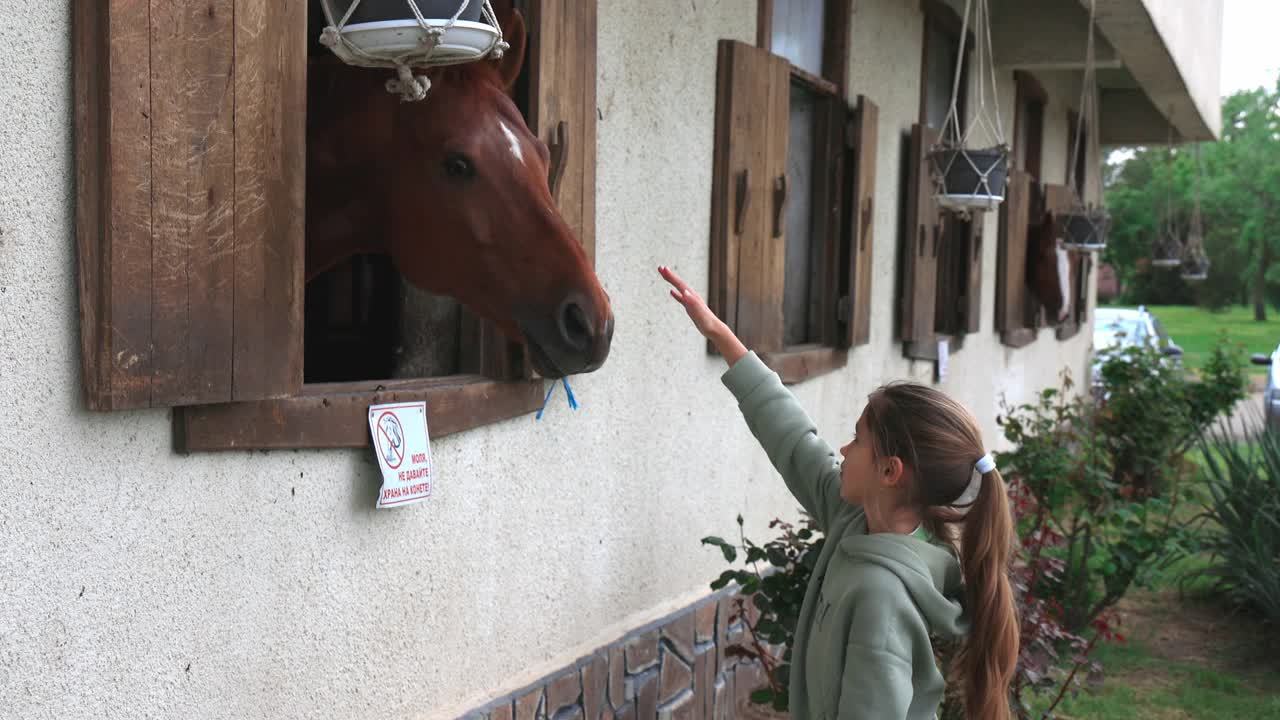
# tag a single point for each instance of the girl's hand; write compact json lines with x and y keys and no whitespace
{"x":701,"y":315}
{"x":703,"y":319}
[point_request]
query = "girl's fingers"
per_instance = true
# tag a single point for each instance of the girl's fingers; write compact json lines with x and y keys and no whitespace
{"x":670,"y":276}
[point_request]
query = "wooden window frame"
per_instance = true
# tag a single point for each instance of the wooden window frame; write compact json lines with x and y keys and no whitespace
{"x":933,"y":237}
{"x":939,"y":16}
{"x":1029,"y":92}
{"x":1018,"y":317}
{"x":1082,"y":160}
{"x":247,"y":390}
{"x":845,"y":170}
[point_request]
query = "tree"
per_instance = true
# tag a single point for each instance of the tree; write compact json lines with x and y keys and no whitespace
{"x":1240,"y":191}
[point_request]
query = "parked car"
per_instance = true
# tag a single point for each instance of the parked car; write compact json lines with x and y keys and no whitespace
{"x":1119,"y":328}
{"x":1271,"y":395}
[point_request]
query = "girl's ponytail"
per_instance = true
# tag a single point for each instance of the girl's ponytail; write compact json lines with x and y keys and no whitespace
{"x":987,"y":661}
{"x":939,"y":440}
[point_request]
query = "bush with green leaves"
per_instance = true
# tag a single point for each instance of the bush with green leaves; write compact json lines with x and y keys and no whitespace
{"x":1150,"y":412}
{"x":775,"y":595}
{"x":1242,"y":519}
{"x":1108,"y":475}
{"x":1098,"y":483}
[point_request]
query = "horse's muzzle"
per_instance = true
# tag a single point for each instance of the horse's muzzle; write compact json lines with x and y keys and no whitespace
{"x":573,"y":339}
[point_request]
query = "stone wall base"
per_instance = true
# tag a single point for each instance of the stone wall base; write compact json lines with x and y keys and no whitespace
{"x":674,"y":668}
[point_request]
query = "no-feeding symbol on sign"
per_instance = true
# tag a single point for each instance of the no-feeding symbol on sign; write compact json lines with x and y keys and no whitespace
{"x":390,"y":439}
{"x":403,"y":448}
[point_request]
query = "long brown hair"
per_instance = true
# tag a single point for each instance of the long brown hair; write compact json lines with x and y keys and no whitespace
{"x":939,"y":440}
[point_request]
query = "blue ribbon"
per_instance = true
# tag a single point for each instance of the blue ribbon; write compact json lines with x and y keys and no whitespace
{"x":573,"y":402}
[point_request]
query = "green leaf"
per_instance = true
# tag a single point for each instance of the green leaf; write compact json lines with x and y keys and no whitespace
{"x":725,"y":578}
{"x":778,"y":557}
{"x":762,"y":696}
{"x":730,"y":553}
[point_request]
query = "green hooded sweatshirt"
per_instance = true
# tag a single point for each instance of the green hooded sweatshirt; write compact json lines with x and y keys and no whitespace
{"x":861,"y":646}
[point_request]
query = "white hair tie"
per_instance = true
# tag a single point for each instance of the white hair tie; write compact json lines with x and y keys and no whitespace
{"x":985,"y":465}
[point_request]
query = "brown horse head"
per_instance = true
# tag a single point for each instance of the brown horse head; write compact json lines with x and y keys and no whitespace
{"x":454,"y":188}
{"x":1048,"y":271}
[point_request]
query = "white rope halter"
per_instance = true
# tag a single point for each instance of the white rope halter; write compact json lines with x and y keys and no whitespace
{"x":406,"y":84}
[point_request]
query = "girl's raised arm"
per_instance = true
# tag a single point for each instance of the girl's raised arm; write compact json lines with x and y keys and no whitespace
{"x":808,"y":465}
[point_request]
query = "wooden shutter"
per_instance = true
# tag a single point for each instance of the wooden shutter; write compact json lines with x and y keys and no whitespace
{"x":971,"y":301}
{"x":860,"y":221}
{"x":1039,"y":227}
{"x":1085,"y":262}
{"x":924,"y":230}
{"x":1011,"y":274}
{"x":749,"y":193}
{"x":190,"y":178}
{"x":562,"y":108}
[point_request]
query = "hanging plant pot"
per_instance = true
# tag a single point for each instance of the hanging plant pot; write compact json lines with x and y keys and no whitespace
{"x":1195,"y":264}
{"x":369,"y":11}
{"x":387,"y":33}
{"x":1166,"y":252}
{"x":1084,"y":229}
{"x":967,"y":179}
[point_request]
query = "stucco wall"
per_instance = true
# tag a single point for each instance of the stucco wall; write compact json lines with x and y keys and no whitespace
{"x":138,"y":583}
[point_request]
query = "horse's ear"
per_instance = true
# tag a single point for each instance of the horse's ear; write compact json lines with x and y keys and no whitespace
{"x":513,"y":59}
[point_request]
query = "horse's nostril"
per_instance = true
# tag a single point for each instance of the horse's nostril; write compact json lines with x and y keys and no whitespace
{"x":575,"y":327}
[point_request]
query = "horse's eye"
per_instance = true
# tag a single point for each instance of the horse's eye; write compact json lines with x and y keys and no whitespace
{"x":459,"y":166}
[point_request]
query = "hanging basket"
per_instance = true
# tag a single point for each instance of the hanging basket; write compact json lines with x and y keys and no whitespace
{"x":967,"y":179}
{"x":372,"y":11}
{"x":1195,"y":265}
{"x":1167,"y":252}
{"x":1084,"y":229}
{"x":406,"y":34}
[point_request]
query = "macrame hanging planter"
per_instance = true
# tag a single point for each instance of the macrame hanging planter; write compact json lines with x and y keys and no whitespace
{"x":967,"y":178}
{"x":1084,"y":227}
{"x":1195,"y":262}
{"x":402,"y":35}
{"x":1167,"y":250}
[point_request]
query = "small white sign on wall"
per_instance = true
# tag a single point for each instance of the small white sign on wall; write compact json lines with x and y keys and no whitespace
{"x":944,"y":351}
{"x":403,"y":449}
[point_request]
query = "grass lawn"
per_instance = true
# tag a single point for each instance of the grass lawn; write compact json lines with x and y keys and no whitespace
{"x":1196,"y":330}
{"x":1183,"y":658}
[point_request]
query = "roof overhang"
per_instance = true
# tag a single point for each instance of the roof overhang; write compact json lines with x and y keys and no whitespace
{"x":1157,"y":61}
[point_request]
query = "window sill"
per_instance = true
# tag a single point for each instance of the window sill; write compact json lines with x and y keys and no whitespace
{"x":333,"y":415}
{"x":805,"y":362}
{"x":929,"y":350}
{"x":1020,"y":337}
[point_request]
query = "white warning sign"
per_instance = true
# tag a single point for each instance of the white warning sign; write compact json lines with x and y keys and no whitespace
{"x":403,"y":448}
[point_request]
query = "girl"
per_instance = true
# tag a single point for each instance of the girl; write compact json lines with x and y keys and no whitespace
{"x":890,"y":572}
